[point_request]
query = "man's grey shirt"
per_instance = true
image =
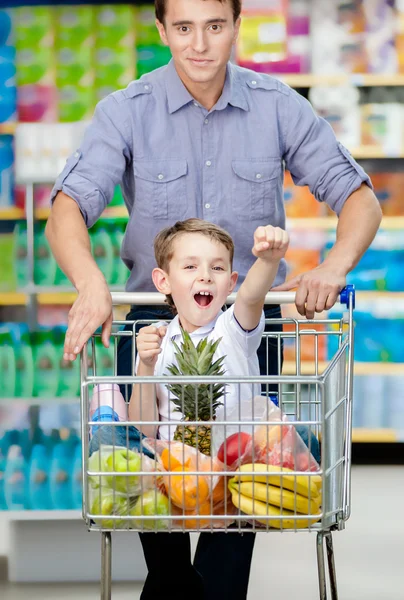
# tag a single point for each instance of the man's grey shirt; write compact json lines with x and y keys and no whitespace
{"x":175,"y":160}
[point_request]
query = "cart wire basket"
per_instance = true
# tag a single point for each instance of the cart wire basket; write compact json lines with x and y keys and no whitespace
{"x":277,"y":460}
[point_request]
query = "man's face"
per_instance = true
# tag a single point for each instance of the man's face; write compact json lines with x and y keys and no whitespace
{"x":200,"y":34}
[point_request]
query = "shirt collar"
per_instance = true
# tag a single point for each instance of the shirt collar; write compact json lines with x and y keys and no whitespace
{"x":174,"y":329}
{"x":178,"y":95}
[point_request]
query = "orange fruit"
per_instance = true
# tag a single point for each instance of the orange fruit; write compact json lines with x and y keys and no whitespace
{"x":186,"y":491}
{"x":204,"y":509}
{"x":170,"y":459}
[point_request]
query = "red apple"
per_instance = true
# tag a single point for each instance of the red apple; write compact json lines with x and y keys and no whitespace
{"x":233,"y":448}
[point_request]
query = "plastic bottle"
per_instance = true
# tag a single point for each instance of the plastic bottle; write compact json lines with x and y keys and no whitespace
{"x":16,"y":480}
{"x":107,"y":404}
{"x":120,"y":272}
{"x":7,"y":366}
{"x":46,"y":364}
{"x":24,"y":363}
{"x":103,"y":251}
{"x":60,"y":477}
{"x":20,"y":253}
{"x":39,"y":492}
{"x":76,"y":478}
{"x":69,"y":378}
{"x":45,"y":264}
{"x":6,"y":169}
{"x":3,"y":463}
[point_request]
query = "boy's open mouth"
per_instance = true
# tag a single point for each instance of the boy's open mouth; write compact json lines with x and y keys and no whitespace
{"x":203,"y":298}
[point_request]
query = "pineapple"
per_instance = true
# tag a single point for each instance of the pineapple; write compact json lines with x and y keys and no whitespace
{"x":198,"y":402}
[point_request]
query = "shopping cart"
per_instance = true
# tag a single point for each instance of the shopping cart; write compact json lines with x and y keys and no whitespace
{"x":315,"y":396}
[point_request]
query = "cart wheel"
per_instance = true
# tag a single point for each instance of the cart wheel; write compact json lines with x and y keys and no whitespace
{"x":106,"y":556}
{"x":331,"y":566}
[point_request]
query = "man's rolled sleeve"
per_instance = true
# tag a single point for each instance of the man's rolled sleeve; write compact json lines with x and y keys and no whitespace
{"x":93,"y":171}
{"x":315,"y":158}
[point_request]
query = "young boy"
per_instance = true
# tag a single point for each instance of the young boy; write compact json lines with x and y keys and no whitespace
{"x":194,"y":270}
{"x":194,"y":259}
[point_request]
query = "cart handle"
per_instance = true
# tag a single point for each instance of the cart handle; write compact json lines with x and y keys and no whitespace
{"x":142,"y":298}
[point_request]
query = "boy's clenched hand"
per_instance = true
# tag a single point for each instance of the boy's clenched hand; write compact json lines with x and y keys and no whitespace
{"x":270,"y":243}
{"x":149,"y":344}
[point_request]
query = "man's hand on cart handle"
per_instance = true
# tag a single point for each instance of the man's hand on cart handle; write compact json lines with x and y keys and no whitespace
{"x":148,"y":342}
{"x":317,"y":290}
{"x":92,"y":309}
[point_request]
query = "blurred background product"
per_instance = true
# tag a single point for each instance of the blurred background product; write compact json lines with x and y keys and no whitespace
{"x":56,"y":63}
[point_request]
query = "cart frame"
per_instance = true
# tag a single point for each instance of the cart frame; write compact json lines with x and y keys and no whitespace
{"x":331,"y":388}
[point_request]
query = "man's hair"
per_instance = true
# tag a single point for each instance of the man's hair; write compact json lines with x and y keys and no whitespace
{"x":160,"y":9}
{"x":164,"y":242}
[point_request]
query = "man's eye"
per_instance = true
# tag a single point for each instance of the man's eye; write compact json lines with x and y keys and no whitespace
{"x":183,"y":29}
{"x":216,"y":28}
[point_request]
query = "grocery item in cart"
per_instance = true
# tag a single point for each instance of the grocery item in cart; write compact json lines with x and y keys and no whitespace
{"x":107,"y":404}
{"x":117,"y":459}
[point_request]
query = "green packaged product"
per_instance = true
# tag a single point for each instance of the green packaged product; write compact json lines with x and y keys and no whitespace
{"x":24,"y":365}
{"x":46,"y":364}
{"x":7,"y":366}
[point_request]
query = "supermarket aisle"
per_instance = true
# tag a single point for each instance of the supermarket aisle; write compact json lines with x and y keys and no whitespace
{"x":369,"y":554}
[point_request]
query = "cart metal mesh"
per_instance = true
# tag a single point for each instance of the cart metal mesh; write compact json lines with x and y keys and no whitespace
{"x":305,"y":410}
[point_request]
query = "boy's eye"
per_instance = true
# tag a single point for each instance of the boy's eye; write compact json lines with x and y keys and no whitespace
{"x":218,"y":269}
{"x":190,"y":267}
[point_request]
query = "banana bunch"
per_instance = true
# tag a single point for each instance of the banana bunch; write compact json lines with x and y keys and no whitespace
{"x":276,"y":495}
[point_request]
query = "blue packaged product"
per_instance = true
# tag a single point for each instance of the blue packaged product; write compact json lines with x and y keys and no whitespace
{"x":39,"y":492}
{"x":60,"y":477}
{"x":16,"y":480}
{"x":6,"y":170}
{"x":76,"y":478}
{"x":6,"y":27}
{"x":3,"y":463}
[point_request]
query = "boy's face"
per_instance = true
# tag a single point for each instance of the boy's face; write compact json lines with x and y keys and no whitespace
{"x":200,"y":34}
{"x":199,"y":279}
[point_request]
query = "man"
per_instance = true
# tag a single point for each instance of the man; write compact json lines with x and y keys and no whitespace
{"x":202,"y":138}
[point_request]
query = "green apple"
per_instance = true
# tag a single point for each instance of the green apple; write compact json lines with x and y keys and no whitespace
{"x":122,"y":460}
{"x":97,"y":463}
{"x":108,"y":503}
{"x":151,"y":503}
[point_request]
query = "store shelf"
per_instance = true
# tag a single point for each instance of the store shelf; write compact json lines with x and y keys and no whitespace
{"x":41,"y":401}
{"x":375,"y":436}
{"x":331,"y":223}
{"x":374,"y":152}
{"x":11,"y":214}
{"x":356,"y":79}
{"x":60,"y":298}
{"x":8,"y":128}
{"x":360,"y":368}
{"x":13,"y":299}
{"x":42,"y":515}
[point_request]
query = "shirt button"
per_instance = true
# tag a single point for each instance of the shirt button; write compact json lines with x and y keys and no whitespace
{"x":207,"y":205}
{"x":146,"y":87}
{"x":160,"y":176}
{"x":206,"y":121}
{"x":253,"y":83}
{"x":208,"y":163}
{"x":76,"y":155}
{"x":196,"y":104}
{"x":258,"y":176}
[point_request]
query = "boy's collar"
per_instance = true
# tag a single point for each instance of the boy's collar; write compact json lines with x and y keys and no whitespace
{"x":175,"y":329}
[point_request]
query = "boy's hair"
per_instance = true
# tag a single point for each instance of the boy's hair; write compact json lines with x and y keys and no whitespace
{"x":160,"y":9}
{"x":164,"y":243}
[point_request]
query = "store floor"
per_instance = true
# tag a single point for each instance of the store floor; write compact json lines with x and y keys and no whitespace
{"x":369,"y":554}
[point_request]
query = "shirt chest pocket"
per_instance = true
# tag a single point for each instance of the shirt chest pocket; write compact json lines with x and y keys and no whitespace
{"x":255,"y":187}
{"x":160,"y":188}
